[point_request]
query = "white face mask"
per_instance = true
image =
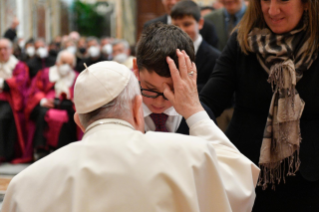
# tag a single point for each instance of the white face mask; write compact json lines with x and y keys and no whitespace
{"x":30,"y":51}
{"x":71,"y":49}
{"x":120,"y":58}
{"x":42,"y":52}
{"x":21,"y":44}
{"x":94,"y":51}
{"x":64,"y":69}
{"x":107,"y":49}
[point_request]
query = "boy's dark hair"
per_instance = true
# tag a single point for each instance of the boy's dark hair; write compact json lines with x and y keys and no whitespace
{"x":159,"y":41}
{"x":186,"y":8}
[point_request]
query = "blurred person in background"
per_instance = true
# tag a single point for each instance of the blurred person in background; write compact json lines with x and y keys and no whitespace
{"x":69,"y":45}
{"x":81,"y":53}
{"x":11,"y":33}
{"x":41,"y":60}
{"x":186,"y":15}
{"x":29,"y":51}
{"x":53,"y":49}
{"x":106,"y":45}
{"x":205,"y":10}
{"x":75,"y":36}
{"x":208,"y":30}
{"x":13,"y":85}
{"x":50,"y":108}
{"x":121,"y":53}
{"x":93,"y":52}
{"x":226,"y":18}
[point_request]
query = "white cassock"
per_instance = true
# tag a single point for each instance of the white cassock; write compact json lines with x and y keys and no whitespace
{"x":118,"y":169}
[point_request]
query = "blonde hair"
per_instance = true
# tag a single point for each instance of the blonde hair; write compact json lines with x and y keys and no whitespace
{"x":254,"y":18}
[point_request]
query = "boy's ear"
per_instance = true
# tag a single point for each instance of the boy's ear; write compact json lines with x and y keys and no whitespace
{"x":200,"y":23}
{"x":135,"y":69}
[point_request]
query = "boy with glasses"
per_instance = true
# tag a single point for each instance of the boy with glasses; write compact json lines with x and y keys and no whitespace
{"x":156,"y":43}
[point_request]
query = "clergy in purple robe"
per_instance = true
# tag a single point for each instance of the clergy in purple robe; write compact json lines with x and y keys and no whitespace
{"x":14,"y":77}
{"x":50,"y":107}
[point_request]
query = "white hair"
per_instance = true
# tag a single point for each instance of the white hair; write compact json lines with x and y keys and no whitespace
{"x":9,"y":41}
{"x":58,"y":59}
{"x":119,"y":107}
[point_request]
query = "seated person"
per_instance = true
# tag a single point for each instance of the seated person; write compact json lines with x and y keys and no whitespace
{"x":94,"y":54}
{"x":121,"y":53}
{"x":156,"y":43}
{"x":41,"y":60}
{"x":50,"y":106}
{"x":186,"y":15}
{"x":118,"y":168}
{"x":14,"y":77}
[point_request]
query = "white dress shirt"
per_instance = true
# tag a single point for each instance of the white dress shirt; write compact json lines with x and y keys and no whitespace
{"x":197,"y":43}
{"x":173,"y":121}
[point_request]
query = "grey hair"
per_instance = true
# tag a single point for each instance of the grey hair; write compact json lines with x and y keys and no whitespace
{"x":91,"y":38}
{"x":119,"y":107}
{"x":9,"y":41}
{"x":121,"y":41}
{"x":58,"y":59}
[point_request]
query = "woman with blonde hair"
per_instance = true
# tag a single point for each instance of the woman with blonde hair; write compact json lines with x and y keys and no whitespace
{"x":271,"y":64}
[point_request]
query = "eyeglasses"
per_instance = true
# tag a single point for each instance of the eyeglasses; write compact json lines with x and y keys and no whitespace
{"x":151,"y":94}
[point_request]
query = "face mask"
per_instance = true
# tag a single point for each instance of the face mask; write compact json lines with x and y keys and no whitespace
{"x":21,"y":44}
{"x":71,"y":49}
{"x":120,"y":58}
{"x":30,"y":51}
{"x":64,"y":69}
{"x":82,"y":50}
{"x":94,"y":51}
{"x":107,"y":49}
{"x":42,"y":52}
{"x":53,"y":52}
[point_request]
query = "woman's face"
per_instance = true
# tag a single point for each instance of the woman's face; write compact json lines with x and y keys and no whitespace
{"x":282,"y":16}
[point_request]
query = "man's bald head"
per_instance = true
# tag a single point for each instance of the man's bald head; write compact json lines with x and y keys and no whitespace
{"x":5,"y":49}
{"x":66,"y":57}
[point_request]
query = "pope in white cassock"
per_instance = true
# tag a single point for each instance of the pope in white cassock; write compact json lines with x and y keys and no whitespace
{"x":118,"y":168}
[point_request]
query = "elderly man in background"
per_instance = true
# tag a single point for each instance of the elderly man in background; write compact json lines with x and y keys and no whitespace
{"x":14,"y":77}
{"x":11,"y":33}
{"x":50,"y":107}
{"x":116,"y":167}
{"x":121,"y":53}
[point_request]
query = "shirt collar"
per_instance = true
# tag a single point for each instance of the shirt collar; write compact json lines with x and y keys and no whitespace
{"x":197,"y":43}
{"x":239,"y":14}
{"x":169,"y":19}
{"x":169,"y":111}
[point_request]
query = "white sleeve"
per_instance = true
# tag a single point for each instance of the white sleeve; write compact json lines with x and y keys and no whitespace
{"x":238,"y":173}
{"x":1,"y":83}
{"x":43,"y":101}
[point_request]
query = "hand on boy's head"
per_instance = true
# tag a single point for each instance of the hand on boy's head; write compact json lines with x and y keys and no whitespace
{"x":185,"y":96}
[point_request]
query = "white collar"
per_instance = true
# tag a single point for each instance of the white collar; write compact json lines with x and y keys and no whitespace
{"x":169,"y":19}
{"x":7,"y":68}
{"x":169,"y":111}
{"x":197,"y":43}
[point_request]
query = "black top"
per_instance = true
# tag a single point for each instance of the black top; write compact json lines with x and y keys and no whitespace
{"x":206,"y":57}
{"x":208,"y":31}
{"x":36,"y":64}
{"x":242,"y":74}
{"x":88,"y":61}
{"x":11,"y":34}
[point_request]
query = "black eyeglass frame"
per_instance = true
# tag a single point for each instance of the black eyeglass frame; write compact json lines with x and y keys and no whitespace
{"x":155,"y":92}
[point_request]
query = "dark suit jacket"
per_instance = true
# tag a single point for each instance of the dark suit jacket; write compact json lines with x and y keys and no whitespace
{"x":183,"y":127}
{"x":206,"y":57}
{"x":36,"y":64}
{"x":208,"y":31}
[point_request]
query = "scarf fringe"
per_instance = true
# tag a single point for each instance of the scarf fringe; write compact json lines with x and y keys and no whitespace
{"x":270,"y":175}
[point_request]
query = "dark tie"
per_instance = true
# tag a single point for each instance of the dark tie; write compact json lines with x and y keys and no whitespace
{"x":231,"y":24}
{"x":159,"y":121}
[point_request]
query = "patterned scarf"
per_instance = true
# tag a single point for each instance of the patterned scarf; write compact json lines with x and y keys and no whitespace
{"x":285,"y":59}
